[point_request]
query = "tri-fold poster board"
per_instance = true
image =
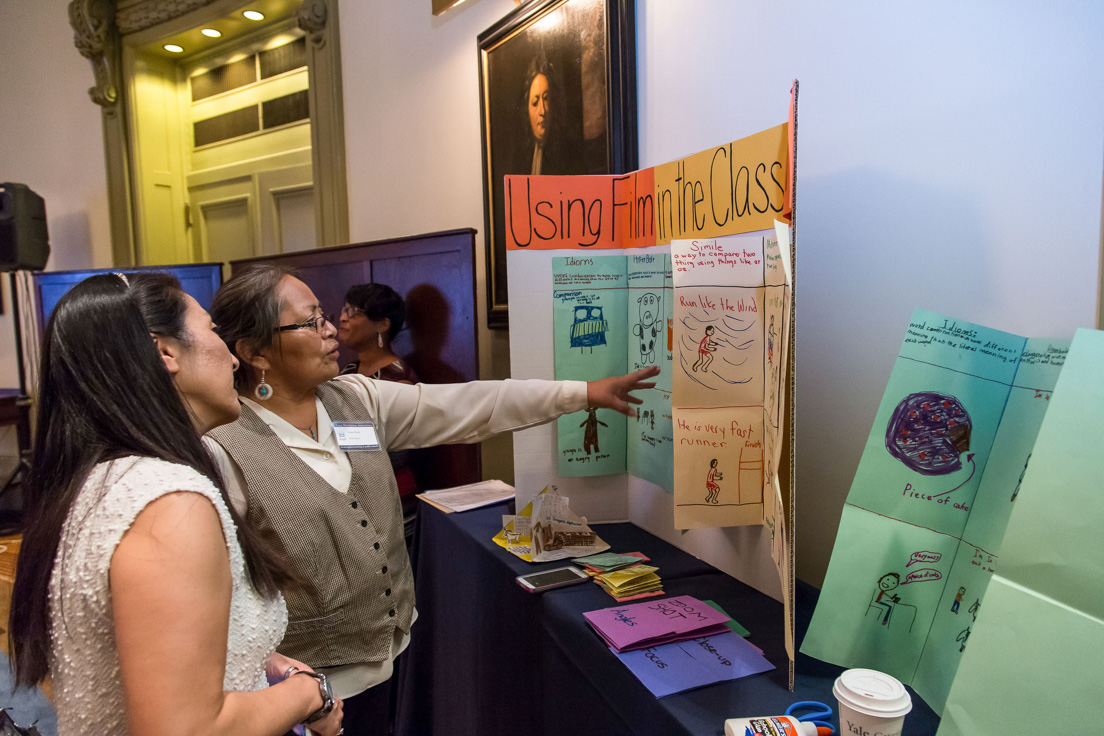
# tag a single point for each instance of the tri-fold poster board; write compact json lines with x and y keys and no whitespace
{"x":687,"y":266}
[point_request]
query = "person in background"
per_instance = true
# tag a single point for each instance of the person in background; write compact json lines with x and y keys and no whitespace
{"x":307,"y":463}
{"x":139,"y":591}
{"x":372,"y":317}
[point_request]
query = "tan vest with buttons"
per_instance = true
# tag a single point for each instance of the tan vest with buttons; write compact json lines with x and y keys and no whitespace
{"x":348,"y":548}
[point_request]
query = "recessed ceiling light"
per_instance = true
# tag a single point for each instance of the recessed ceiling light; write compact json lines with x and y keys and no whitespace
{"x":174,"y":48}
{"x":210,"y":33}
{"x":253,"y":15}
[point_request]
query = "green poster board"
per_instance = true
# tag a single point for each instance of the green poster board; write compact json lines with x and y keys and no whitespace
{"x":922,"y":526}
{"x":1035,"y":651}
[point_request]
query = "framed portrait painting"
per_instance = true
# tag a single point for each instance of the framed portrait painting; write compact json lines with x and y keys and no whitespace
{"x":557,"y":83}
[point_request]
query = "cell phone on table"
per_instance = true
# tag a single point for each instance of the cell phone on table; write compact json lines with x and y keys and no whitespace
{"x":538,"y":582}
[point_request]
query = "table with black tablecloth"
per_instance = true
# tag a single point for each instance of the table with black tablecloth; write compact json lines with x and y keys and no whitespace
{"x":487,"y":657}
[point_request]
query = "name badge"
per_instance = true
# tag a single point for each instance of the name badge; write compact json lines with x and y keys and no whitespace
{"x":356,"y":436}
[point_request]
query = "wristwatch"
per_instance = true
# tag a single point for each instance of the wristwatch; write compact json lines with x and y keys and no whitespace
{"x":327,"y":695}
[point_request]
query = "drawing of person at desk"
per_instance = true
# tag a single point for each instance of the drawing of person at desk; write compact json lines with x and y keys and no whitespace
{"x":885,"y":599}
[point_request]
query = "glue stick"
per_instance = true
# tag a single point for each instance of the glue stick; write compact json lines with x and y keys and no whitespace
{"x":773,"y":726}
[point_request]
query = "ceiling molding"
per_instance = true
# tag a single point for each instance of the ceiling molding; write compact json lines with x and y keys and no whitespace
{"x":133,"y":16}
{"x":97,"y":39}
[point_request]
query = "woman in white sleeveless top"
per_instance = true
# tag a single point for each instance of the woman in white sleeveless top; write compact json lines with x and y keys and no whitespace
{"x":155,"y":611}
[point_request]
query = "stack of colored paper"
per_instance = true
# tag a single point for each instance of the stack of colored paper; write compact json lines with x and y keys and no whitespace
{"x":650,"y":624}
{"x":638,"y":581}
{"x":622,"y":576}
{"x":608,"y":561}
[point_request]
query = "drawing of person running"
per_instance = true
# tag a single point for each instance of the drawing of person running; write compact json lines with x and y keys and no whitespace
{"x":711,"y":486}
{"x":706,"y":348}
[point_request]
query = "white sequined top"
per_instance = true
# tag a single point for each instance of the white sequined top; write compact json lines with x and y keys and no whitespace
{"x":84,"y":662}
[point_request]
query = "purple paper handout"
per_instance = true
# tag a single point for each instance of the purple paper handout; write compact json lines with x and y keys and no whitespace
{"x":694,"y":663}
{"x":652,"y":623}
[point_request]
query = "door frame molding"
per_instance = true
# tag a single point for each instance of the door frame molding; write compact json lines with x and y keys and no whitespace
{"x":101,"y":29}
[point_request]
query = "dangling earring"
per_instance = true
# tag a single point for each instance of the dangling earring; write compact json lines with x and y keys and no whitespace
{"x":263,"y":391}
{"x":379,"y":339}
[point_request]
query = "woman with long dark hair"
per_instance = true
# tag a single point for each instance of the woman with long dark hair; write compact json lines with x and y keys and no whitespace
{"x":139,"y":590}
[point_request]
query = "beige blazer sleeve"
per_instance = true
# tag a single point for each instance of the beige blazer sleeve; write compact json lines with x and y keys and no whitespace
{"x":426,"y":414}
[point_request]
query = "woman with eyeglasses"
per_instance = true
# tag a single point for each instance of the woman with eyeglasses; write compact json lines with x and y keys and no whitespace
{"x":371,"y":318}
{"x":154,"y":609}
{"x":307,"y":464}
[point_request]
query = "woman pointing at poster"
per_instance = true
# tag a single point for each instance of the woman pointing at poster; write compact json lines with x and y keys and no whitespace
{"x":307,"y":464}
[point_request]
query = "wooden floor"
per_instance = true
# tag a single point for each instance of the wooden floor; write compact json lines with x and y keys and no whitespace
{"x":9,"y":552}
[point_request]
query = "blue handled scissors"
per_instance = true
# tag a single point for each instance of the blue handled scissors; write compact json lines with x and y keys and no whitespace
{"x":818,"y":716}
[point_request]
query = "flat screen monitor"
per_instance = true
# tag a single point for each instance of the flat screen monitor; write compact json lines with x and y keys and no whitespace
{"x":201,"y":280}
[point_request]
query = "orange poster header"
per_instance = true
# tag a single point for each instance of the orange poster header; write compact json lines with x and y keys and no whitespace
{"x":609,"y":211}
{"x":739,"y":187}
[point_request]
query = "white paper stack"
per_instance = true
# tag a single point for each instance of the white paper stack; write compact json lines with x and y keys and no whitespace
{"x":471,"y":496}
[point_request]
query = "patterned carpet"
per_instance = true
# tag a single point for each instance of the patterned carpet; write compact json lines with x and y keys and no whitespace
{"x":25,"y":706}
{"x":9,"y":551}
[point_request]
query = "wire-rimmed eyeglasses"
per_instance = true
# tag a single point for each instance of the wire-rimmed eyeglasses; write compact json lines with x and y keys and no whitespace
{"x":351,"y":312}
{"x":315,"y":323}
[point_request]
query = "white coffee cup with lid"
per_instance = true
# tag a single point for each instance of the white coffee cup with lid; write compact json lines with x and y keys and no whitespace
{"x":871,"y":703}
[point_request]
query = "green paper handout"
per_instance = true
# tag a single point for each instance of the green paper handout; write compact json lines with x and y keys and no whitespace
{"x":650,"y":433}
{"x":612,"y":315}
{"x":923,"y":523}
{"x":590,"y":297}
{"x":732,"y":623}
